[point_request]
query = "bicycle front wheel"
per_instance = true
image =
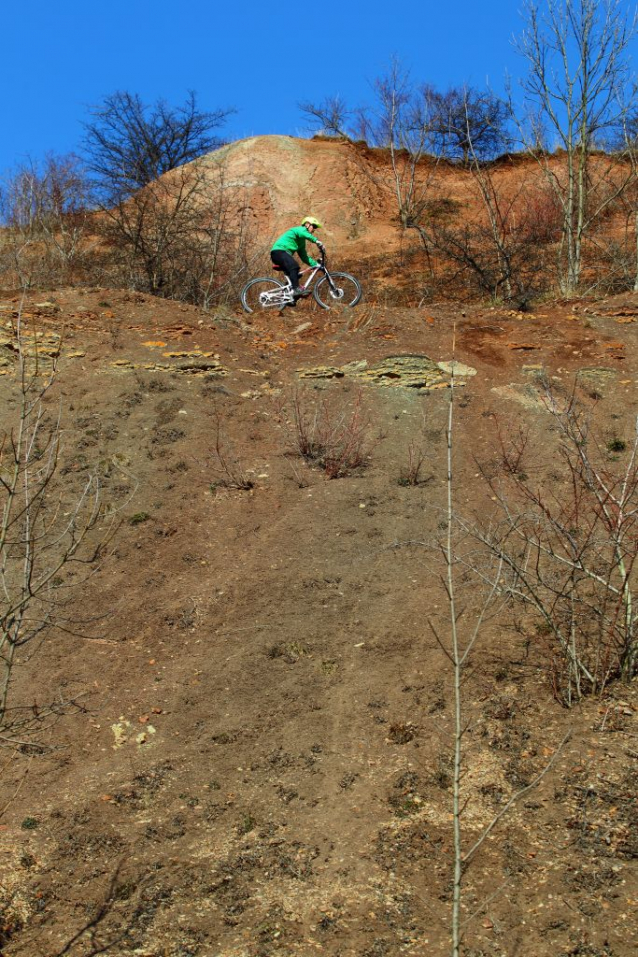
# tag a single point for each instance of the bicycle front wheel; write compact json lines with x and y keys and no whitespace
{"x":262,"y":294}
{"x":344,"y":291}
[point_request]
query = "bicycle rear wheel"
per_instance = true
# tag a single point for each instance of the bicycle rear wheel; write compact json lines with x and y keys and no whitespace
{"x":257,"y":294}
{"x":346,"y":291}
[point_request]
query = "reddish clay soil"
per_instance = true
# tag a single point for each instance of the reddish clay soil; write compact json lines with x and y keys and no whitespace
{"x":258,"y":759}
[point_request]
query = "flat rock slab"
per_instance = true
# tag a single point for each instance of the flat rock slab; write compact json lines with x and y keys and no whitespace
{"x":403,"y":371}
{"x":202,"y":367}
{"x":37,"y":348}
{"x":526,"y":396}
{"x":599,"y":373}
{"x":531,"y":398}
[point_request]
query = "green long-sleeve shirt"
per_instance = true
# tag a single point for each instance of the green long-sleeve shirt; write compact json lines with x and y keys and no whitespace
{"x":294,"y":241}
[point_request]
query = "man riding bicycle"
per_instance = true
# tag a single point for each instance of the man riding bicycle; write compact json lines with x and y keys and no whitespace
{"x":294,"y":241}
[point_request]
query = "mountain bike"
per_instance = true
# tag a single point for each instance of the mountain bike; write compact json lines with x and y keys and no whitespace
{"x":332,"y":289}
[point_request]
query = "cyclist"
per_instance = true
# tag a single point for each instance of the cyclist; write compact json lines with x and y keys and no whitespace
{"x":294,"y":241}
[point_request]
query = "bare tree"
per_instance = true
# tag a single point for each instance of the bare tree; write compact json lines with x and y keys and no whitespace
{"x":467,"y":124}
{"x":577,"y":56}
{"x":226,"y":248}
{"x":458,"y":637}
{"x":50,"y":541}
{"x":504,"y":237}
{"x":184,"y":236}
{"x":129,"y":144}
{"x":627,"y":149}
{"x":418,"y":126}
{"x":45,"y":208}
{"x":398,"y":120}
{"x":330,"y":117}
{"x":401,"y":122}
{"x":458,"y":651}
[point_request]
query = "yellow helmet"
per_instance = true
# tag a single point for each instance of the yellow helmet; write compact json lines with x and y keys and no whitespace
{"x":312,"y":221}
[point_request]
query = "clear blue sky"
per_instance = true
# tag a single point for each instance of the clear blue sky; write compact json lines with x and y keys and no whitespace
{"x":57,"y":57}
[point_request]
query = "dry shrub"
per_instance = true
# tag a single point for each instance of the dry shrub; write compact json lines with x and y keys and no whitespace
{"x":227,"y":464}
{"x":571,"y":549}
{"x":502,"y":249}
{"x":335,"y":437}
{"x":412,"y":475}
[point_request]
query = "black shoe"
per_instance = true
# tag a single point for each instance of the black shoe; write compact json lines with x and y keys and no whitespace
{"x":299,"y":293}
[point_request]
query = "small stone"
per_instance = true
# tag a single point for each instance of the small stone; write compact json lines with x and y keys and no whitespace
{"x":457,"y":367}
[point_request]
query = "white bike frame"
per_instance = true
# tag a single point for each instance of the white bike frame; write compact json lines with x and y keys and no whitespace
{"x":283,"y":297}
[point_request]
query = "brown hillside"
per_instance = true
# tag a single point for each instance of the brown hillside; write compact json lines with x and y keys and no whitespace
{"x":244,"y":751}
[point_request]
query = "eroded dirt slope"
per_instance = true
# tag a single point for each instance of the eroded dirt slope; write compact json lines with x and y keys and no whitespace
{"x":257,"y":762}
